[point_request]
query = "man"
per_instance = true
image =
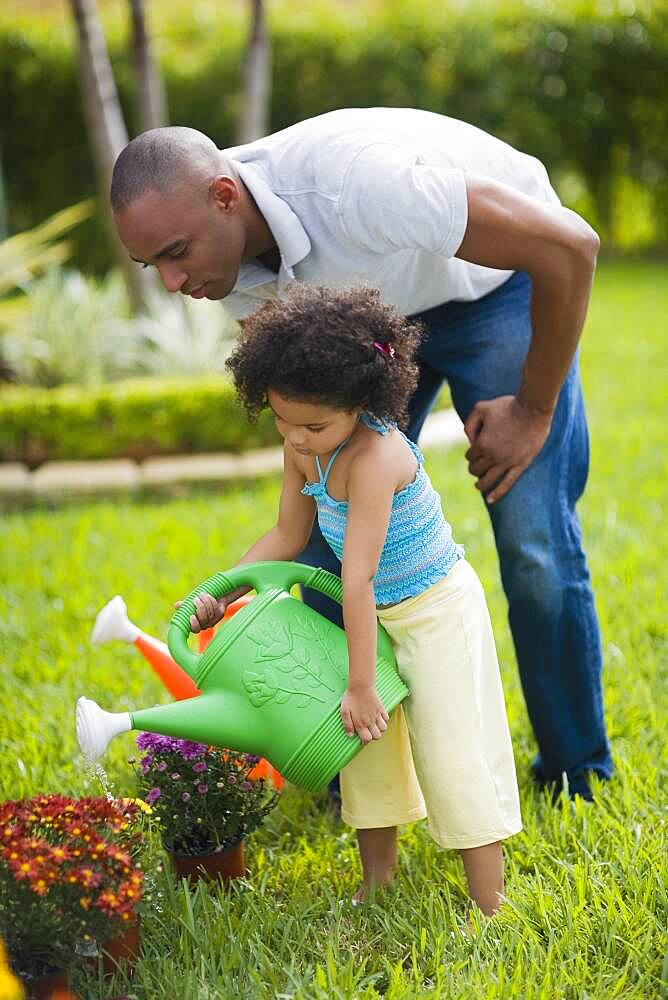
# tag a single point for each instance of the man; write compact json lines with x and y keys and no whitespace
{"x":464,"y":232}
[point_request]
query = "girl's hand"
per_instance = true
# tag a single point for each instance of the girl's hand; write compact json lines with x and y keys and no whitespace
{"x":209,"y":611}
{"x":362,"y":712}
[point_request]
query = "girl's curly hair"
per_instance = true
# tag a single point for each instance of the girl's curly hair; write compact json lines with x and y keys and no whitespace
{"x":317,"y":346}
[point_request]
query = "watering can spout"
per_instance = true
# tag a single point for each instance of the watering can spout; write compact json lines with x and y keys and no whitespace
{"x":216,"y":717}
{"x":96,"y":728}
{"x":213,"y":718}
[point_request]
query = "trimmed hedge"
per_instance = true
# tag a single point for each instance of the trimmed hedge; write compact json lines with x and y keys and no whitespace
{"x":135,"y":418}
{"x":586,"y":92}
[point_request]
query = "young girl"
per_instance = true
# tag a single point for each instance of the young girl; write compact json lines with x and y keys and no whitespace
{"x":337,"y":369}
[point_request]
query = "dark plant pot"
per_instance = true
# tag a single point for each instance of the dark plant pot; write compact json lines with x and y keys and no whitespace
{"x":45,"y":987}
{"x":224,"y":865}
{"x":122,"y":949}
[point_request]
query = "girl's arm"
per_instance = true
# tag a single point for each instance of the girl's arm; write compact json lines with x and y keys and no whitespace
{"x":371,"y":487}
{"x":284,"y":541}
{"x":296,"y":513}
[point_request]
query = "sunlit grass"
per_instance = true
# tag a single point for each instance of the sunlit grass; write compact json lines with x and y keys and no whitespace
{"x":587,"y":906}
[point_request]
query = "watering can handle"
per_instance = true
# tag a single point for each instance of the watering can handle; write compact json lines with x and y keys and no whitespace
{"x":260,"y":576}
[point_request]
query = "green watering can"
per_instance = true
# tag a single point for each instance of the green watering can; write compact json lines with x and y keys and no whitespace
{"x":272,"y":679}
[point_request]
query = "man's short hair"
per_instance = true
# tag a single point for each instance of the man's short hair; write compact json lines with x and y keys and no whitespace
{"x":164,"y":159}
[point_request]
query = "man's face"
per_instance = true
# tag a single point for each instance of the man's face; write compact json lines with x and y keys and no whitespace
{"x":196,"y":242}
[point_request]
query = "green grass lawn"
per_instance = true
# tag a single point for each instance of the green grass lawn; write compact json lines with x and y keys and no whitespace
{"x":587,"y":907}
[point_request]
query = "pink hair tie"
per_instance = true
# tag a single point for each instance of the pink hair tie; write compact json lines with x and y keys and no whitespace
{"x":385,"y":348}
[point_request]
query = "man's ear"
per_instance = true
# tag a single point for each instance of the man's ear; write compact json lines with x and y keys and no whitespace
{"x":225,"y":193}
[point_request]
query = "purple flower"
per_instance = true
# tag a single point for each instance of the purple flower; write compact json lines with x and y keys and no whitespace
{"x":153,"y":794}
{"x":231,"y":780}
{"x":155,"y":743}
{"x":162,"y":765}
{"x":186,"y":796}
{"x":199,"y":767}
{"x":252,"y":759}
{"x":246,"y":786}
{"x":175,"y":776}
{"x":202,"y":789}
{"x":189,"y":750}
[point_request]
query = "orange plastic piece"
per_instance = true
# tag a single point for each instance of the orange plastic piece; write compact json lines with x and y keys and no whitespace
{"x":175,"y":679}
{"x":204,"y":638}
{"x":237,"y":606}
{"x":265,"y":770}
{"x":180,"y":685}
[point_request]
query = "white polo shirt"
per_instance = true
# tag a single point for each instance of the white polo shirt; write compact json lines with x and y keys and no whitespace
{"x":375,"y":196}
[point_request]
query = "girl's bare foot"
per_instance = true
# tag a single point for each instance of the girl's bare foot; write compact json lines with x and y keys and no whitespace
{"x":378,"y":853}
{"x":367,"y":893}
{"x":359,"y":897}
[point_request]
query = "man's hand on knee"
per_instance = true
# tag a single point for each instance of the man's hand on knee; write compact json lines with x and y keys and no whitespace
{"x":505,"y":438}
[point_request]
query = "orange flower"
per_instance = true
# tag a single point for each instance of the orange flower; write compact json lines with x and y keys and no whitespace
{"x":26,"y":869}
{"x":53,"y":845}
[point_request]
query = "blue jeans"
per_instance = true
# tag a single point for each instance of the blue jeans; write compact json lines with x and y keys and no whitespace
{"x":479,"y":347}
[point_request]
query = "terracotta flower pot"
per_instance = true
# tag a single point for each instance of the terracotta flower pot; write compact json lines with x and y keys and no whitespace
{"x":224,"y":865}
{"x":47,"y":986}
{"x":122,"y":949}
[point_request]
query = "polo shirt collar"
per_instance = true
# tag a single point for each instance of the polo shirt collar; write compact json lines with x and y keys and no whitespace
{"x":291,"y":237}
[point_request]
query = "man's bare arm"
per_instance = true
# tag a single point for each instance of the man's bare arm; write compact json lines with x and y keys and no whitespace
{"x":558,"y":249}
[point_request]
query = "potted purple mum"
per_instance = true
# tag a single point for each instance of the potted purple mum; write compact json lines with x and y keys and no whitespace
{"x":206,"y":800}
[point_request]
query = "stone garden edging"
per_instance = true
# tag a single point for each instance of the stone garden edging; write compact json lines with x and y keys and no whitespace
{"x":58,"y":479}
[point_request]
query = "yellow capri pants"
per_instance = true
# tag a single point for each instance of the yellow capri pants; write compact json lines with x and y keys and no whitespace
{"x":447,"y":753}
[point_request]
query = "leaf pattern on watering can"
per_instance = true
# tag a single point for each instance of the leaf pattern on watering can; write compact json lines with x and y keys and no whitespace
{"x":266,"y":687}
{"x":300,"y":673}
{"x":271,"y":644}
{"x":259,"y":687}
{"x":318,"y":633}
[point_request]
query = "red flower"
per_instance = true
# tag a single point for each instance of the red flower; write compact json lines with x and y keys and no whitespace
{"x":24,"y":869}
{"x":60,"y":854}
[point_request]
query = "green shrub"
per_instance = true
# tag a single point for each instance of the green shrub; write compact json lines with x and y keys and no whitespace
{"x":135,"y":418}
{"x":70,"y":329}
{"x":584,"y":91}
